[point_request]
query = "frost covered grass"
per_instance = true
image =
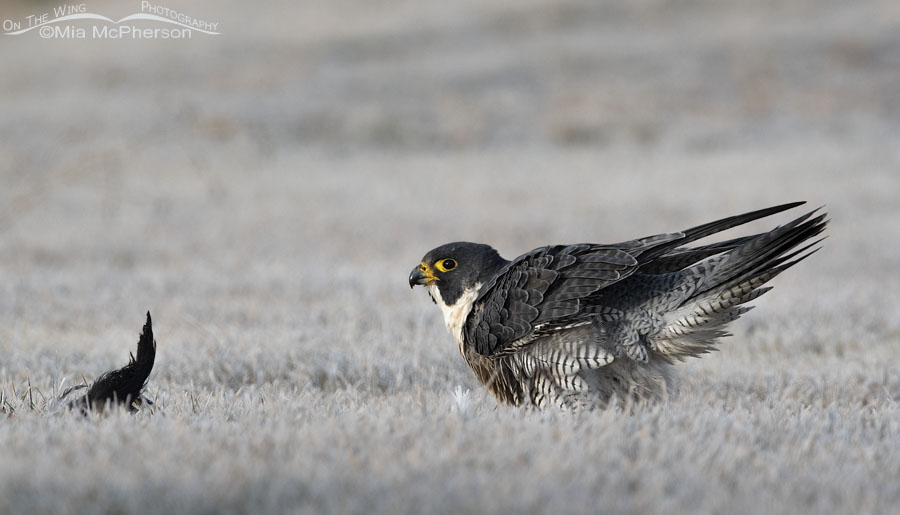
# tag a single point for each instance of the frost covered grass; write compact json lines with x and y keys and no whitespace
{"x":265,"y":193}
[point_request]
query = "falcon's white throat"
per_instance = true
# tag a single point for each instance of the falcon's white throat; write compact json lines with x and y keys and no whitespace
{"x":455,"y":315}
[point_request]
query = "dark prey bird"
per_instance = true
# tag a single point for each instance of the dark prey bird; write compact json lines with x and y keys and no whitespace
{"x":577,"y":325}
{"x":122,"y":386}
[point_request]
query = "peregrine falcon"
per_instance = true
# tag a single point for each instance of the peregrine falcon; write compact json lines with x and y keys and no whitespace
{"x":577,"y":325}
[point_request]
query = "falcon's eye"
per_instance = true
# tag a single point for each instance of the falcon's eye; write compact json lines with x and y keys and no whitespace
{"x":445,"y":265}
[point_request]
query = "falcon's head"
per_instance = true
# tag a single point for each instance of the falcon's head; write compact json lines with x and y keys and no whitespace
{"x":454,"y":270}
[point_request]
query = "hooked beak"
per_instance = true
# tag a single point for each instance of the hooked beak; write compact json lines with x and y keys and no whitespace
{"x":422,"y":274}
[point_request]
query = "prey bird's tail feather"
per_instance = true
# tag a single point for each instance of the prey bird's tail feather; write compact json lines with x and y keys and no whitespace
{"x":718,"y":287}
{"x":123,"y":386}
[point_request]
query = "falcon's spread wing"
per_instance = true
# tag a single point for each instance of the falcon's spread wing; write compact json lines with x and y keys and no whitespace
{"x":543,"y":290}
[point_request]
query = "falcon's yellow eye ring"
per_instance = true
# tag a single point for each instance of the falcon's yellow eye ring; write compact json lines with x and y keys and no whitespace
{"x":445,"y":265}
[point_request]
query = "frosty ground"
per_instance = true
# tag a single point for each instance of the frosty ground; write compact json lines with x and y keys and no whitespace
{"x":265,"y":192}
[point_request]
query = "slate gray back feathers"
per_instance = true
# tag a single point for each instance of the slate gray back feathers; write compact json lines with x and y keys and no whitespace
{"x":546,"y":288}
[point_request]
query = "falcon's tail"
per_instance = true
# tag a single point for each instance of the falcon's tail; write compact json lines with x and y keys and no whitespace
{"x":719,"y":286}
{"x":664,"y":251}
{"x":123,"y":386}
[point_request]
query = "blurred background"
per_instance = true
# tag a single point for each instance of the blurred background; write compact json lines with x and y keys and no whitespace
{"x":394,"y":76}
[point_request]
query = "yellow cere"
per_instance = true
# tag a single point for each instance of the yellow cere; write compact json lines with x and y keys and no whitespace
{"x":429,"y":273}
